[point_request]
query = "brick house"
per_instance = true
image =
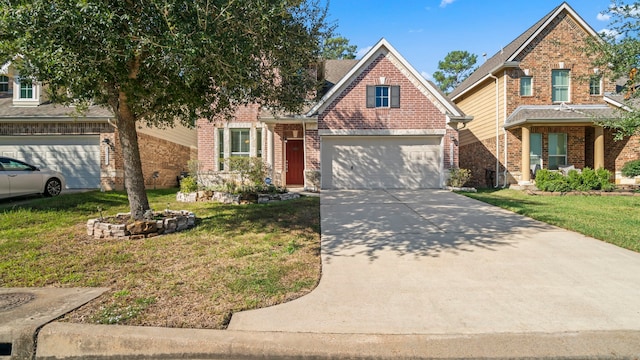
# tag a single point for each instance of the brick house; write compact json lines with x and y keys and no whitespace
{"x":85,"y":149}
{"x":380,"y":124}
{"x":535,"y":104}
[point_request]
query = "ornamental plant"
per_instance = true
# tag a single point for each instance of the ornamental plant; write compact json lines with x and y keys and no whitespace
{"x":631,"y":168}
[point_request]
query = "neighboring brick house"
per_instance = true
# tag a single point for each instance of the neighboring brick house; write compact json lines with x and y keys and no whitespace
{"x":535,"y":104}
{"x":84,"y":148}
{"x":379,"y":125}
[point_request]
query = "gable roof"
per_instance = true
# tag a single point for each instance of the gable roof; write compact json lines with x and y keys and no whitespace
{"x":384,"y":47}
{"x":506,"y":56}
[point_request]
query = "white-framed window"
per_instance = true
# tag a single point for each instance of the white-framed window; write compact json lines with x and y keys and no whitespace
{"x":383,"y":96}
{"x":26,"y":89}
{"x":259,"y":143}
{"x":4,"y":83}
{"x":240,"y":142}
{"x":560,"y":81}
{"x":526,"y":86}
{"x":557,"y":150}
{"x":220,"y":149}
{"x":595,"y":85}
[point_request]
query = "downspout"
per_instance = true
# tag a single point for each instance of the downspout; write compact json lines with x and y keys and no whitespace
{"x":504,"y":116}
{"x":304,"y":154}
{"x":497,"y":129}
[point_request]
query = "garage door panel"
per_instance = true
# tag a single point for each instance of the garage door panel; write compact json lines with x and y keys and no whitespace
{"x":381,"y":162}
{"x":76,"y":157}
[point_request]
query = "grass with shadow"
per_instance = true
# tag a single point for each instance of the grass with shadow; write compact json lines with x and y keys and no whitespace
{"x":238,"y":257}
{"x":613,"y":219}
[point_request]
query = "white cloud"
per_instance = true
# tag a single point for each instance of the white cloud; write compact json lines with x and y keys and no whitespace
{"x":604,"y":17}
{"x":426,"y":75}
{"x":444,"y":3}
{"x":362,"y":52}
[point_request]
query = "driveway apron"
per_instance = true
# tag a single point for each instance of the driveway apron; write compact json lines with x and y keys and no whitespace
{"x":434,"y":262}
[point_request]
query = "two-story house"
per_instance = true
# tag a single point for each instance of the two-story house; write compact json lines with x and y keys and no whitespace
{"x":536,"y":104}
{"x":84,"y":148}
{"x":380,"y":124}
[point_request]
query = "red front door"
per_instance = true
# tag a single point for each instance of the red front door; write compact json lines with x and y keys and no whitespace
{"x":295,"y":162}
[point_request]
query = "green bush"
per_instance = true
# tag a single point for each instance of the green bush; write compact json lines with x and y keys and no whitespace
{"x":251,"y":170}
{"x":459,"y":177}
{"x":631,"y":168}
{"x":586,"y":180}
{"x":188,"y":184}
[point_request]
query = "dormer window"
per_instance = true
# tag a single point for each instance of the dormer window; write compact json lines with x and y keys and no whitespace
{"x":4,"y":83}
{"x":383,"y":96}
{"x":26,"y":90}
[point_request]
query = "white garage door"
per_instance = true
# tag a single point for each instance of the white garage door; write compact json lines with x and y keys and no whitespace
{"x":76,"y":157}
{"x":380,"y":162}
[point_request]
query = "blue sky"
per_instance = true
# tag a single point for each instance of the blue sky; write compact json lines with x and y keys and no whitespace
{"x":425,"y":31}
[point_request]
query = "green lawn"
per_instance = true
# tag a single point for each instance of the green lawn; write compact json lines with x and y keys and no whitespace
{"x":237,"y":257}
{"x":614,"y":219}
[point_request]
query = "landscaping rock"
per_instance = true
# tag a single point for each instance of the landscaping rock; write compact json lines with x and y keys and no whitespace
{"x":173,"y":221}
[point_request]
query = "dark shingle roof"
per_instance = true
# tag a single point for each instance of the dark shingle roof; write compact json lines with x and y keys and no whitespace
{"x":47,"y":110}
{"x":566,"y":113}
{"x":503,"y":55}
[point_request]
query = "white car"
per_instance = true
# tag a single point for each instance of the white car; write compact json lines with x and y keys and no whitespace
{"x":19,"y":178}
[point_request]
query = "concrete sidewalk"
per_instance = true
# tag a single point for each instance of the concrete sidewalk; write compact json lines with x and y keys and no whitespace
{"x":421,"y":275}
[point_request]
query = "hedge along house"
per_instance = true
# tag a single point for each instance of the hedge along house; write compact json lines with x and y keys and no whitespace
{"x":536,"y":103}
{"x":84,"y":148}
{"x":379,"y":125}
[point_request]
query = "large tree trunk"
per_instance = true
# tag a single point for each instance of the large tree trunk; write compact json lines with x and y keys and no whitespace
{"x":133,"y":178}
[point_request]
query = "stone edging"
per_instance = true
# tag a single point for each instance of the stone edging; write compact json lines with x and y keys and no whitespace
{"x":173,"y":221}
{"x":227,"y":198}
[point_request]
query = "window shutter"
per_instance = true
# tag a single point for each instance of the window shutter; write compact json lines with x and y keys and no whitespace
{"x":371,"y":96}
{"x":395,"y":96}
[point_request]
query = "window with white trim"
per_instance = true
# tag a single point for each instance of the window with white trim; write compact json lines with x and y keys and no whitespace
{"x":526,"y":83}
{"x":595,"y":85}
{"x":221,"y":149}
{"x":560,"y":81}
{"x":4,"y":83}
{"x":557,"y":150}
{"x":240,"y":142}
{"x":383,"y":96}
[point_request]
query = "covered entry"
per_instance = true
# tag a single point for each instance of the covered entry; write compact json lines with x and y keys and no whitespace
{"x":381,"y":162}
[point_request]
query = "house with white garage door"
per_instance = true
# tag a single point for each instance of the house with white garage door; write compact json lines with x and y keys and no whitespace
{"x":379,"y":125}
{"x":83,"y":147}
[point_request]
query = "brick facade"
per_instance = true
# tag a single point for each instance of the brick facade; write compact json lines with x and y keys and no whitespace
{"x":556,"y":47}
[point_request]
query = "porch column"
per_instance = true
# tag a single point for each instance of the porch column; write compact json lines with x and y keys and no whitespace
{"x":598,"y":148}
{"x":526,"y":160}
{"x":270,"y":150}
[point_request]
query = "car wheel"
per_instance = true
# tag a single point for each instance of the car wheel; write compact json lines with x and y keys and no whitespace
{"x":53,"y":187}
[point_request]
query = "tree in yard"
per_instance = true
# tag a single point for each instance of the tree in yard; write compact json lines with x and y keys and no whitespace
{"x":456,"y":66}
{"x":338,"y":48}
{"x":161,"y":61}
{"x":617,"y":55}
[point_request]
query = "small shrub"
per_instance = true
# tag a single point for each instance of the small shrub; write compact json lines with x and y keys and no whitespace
{"x":459,"y":177}
{"x":586,"y":180}
{"x":189,"y":184}
{"x":251,"y":170}
{"x":631,"y":168}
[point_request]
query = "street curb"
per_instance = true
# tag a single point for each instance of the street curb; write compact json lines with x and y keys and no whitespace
{"x":69,"y":341}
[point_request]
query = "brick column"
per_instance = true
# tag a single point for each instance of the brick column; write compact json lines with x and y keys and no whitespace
{"x":598,"y":148}
{"x":526,"y":160}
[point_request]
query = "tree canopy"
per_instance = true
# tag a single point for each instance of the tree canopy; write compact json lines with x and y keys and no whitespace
{"x":162,"y":61}
{"x":617,"y":55}
{"x":338,"y":48}
{"x":454,"y":69}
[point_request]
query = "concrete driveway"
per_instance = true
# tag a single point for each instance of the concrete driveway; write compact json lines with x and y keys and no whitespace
{"x":433,"y":262}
